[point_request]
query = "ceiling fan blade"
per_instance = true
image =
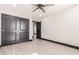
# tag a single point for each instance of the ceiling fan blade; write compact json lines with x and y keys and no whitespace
{"x":34,"y":5}
{"x":43,"y":10}
{"x":46,"y":5}
{"x":35,"y":9}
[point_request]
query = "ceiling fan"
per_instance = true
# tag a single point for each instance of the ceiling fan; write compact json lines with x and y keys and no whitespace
{"x":41,"y":6}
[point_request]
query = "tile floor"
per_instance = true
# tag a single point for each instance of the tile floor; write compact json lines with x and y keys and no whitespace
{"x":37,"y":46}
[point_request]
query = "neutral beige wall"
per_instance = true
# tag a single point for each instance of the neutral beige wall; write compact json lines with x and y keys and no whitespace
{"x":63,"y":26}
{"x":16,"y":12}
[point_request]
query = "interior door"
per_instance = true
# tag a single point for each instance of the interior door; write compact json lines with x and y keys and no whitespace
{"x":38,"y":30}
{"x":8,"y":29}
{"x":14,"y":29}
{"x":22,"y":30}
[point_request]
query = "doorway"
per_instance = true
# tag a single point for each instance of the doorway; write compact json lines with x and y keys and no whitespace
{"x":36,"y":30}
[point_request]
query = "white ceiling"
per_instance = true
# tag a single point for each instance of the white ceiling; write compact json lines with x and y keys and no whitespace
{"x":26,"y":10}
